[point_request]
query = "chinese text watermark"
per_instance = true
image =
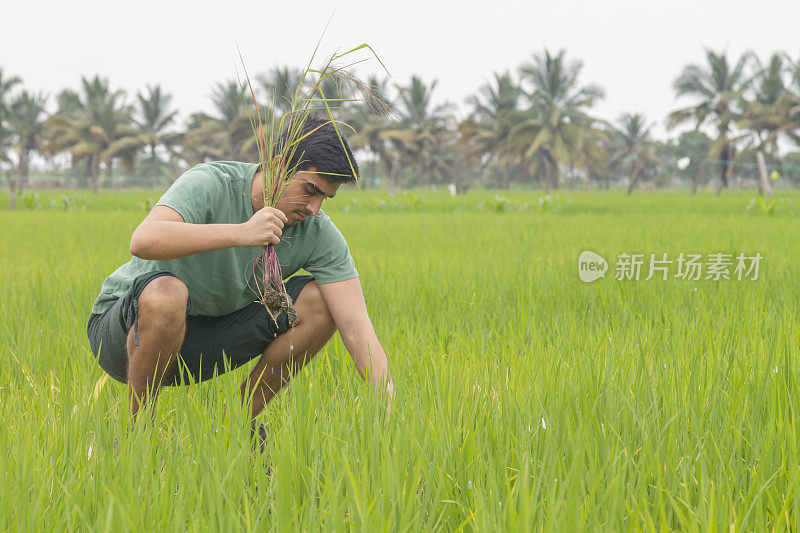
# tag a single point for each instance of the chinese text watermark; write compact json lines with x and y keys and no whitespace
{"x":634,"y":267}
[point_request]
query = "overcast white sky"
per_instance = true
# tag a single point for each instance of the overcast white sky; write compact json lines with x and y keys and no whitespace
{"x":633,"y":49}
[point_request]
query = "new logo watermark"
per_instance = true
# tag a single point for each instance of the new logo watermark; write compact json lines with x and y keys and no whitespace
{"x":591,"y":266}
{"x":634,"y":267}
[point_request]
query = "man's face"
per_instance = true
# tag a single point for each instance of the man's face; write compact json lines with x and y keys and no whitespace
{"x":303,"y":197}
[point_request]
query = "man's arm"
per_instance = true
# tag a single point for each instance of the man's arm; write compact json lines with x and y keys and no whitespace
{"x":345,"y":301}
{"x":163,"y":234}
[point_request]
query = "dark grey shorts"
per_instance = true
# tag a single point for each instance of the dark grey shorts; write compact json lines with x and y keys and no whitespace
{"x":211,"y":344}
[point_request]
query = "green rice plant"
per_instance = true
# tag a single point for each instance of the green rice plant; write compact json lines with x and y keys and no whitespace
{"x":498,"y":204}
{"x":771,"y":207}
{"x":31,"y":200}
{"x":277,"y":140}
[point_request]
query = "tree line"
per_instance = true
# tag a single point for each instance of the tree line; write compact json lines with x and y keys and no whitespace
{"x":531,"y":127}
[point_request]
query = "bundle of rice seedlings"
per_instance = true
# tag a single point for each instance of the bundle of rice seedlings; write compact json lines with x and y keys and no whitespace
{"x":277,"y":139}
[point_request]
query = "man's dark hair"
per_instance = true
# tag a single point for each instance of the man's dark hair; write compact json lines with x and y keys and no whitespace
{"x":324,"y":150}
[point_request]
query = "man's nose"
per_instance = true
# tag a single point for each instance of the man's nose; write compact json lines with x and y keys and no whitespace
{"x":315,"y":206}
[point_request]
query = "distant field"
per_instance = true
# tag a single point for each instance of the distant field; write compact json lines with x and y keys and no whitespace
{"x":526,"y":397}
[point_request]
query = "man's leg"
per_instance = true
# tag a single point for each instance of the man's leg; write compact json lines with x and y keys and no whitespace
{"x":291,"y":350}
{"x":162,"y":326}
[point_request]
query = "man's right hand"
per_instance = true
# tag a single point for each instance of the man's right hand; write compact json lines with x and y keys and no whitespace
{"x":265,"y":227}
{"x":163,"y":234}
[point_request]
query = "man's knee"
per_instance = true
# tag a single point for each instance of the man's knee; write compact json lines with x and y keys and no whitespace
{"x":312,"y":307}
{"x":163,"y":302}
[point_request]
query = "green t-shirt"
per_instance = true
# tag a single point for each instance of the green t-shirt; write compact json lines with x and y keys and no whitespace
{"x":219,"y":281}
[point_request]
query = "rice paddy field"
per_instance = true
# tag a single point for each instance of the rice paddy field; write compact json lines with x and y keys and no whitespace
{"x":527,"y":399}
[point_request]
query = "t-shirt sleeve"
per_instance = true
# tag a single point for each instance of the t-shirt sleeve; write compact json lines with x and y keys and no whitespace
{"x":330,"y":260}
{"x":197,"y":195}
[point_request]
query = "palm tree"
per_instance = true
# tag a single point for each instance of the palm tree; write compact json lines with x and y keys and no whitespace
{"x":637,"y":150}
{"x":228,"y":133}
{"x":763,"y":115}
{"x":68,"y":103}
{"x":719,"y":88}
{"x":598,"y":147}
{"x":770,"y":84}
{"x":153,"y":120}
{"x":791,"y":127}
{"x":415,"y":105}
{"x":199,"y":142}
{"x":282,"y":82}
{"x":555,"y":129}
{"x":496,"y":98}
{"x":229,"y":100}
{"x":371,"y":118}
{"x":484,"y":133}
{"x":95,"y":126}
{"x":422,"y":137}
{"x":766,"y":115}
{"x":775,"y":111}
{"x":7,"y":84}
{"x":26,"y":122}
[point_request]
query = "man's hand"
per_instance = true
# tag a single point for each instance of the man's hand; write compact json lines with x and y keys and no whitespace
{"x":265,"y":227}
{"x":163,"y":234}
{"x":345,"y":301}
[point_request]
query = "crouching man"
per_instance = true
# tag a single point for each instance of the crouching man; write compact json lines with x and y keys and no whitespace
{"x":184,"y":303}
